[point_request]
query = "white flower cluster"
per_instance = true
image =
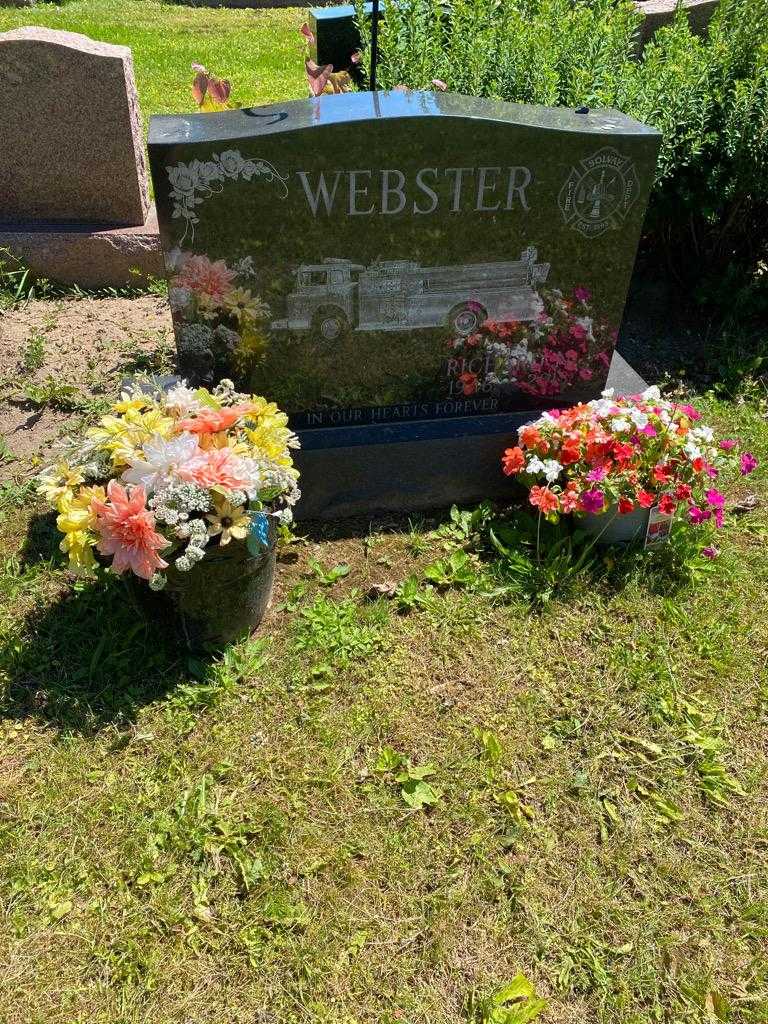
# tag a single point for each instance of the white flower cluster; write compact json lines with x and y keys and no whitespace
{"x":196,"y":530}
{"x":551,"y":468}
{"x":174,"y":505}
{"x":182,"y":399}
{"x":225,"y":392}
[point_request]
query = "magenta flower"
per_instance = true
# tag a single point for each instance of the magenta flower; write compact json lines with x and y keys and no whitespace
{"x":698,"y":515}
{"x":582,"y":294}
{"x":718,"y":518}
{"x":592,"y":501}
{"x":649,"y":430}
{"x":711,"y":472}
{"x":690,"y":412}
{"x":710,"y":552}
{"x":715,"y":498}
{"x":748,"y":463}
{"x":728,"y":445}
{"x":596,"y":474}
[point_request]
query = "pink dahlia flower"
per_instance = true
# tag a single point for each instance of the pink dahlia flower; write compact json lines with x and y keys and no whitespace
{"x":218,"y":467}
{"x":127,"y":531}
{"x":203,"y":277}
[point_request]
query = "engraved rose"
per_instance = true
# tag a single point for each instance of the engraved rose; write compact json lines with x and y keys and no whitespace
{"x":231,"y":162}
{"x":183,"y":180}
{"x":210,"y":171}
{"x":193,"y":183}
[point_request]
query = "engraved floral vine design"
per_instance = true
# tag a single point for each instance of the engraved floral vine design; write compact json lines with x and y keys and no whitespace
{"x":194,"y":182}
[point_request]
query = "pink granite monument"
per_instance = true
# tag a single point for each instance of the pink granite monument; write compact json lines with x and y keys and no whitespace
{"x":74,"y":200}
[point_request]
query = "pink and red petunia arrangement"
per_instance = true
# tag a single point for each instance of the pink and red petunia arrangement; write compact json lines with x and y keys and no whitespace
{"x":623,"y":454}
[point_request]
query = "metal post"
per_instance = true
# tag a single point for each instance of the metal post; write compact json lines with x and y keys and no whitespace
{"x":374,"y":44}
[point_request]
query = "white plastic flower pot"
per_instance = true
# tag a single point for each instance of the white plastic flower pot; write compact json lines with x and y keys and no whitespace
{"x":614,"y":527}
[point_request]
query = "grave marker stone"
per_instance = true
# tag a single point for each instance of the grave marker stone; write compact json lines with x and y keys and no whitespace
{"x":69,"y":121}
{"x":74,"y":197}
{"x":401,"y":267}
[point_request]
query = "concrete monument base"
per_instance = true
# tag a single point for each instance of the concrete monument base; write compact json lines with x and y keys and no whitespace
{"x":88,"y":255}
{"x":426,"y":464}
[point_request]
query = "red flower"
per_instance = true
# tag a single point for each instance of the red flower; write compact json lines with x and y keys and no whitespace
{"x":571,"y":451}
{"x":626,"y":506}
{"x":683,"y":492}
{"x":645,"y":499}
{"x":569,"y":499}
{"x":545,"y":499}
{"x":513,"y":460}
{"x":667,"y":505}
{"x":468,"y":383}
{"x":623,"y":451}
{"x":662,"y":474}
{"x":531,"y":438}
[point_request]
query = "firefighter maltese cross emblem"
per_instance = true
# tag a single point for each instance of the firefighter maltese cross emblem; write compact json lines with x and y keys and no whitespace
{"x":598,"y":194}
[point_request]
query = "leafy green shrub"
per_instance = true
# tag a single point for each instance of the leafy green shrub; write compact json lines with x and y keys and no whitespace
{"x":708,"y":96}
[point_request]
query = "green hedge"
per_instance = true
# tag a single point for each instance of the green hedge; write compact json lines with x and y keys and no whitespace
{"x":708,"y":96}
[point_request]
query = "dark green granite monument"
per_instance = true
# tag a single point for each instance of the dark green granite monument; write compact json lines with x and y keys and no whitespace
{"x":410,"y":275}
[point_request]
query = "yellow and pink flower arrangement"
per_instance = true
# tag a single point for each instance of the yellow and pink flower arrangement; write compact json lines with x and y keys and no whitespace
{"x":166,"y":476}
{"x":624,"y":454}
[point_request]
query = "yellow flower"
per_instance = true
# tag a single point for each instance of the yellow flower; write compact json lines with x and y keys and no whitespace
{"x":130,"y":401}
{"x":228,"y":520}
{"x":59,"y":482}
{"x":244,"y":305}
{"x":76,"y":521}
{"x":270,"y":439}
{"x":208,"y":306}
{"x":78,"y":545}
{"x":78,"y":507}
{"x":123,"y":436}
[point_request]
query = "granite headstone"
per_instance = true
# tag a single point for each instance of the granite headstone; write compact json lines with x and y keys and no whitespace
{"x":404,"y":266}
{"x":72,"y":147}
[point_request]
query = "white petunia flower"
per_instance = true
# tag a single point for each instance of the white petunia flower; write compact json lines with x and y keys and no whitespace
{"x":651,"y":394}
{"x":619,"y":425}
{"x":587,"y":323}
{"x":639,"y":418}
{"x":607,"y":393}
{"x":703,"y":433}
{"x":692,"y":450}
{"x":162,"y":461}
{"x":552,"y":469}
{"x":535,"y":465}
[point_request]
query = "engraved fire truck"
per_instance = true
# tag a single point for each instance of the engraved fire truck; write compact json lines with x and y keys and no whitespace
{"x":336,"y":295}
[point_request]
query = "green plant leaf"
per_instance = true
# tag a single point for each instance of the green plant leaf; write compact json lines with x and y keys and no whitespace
{"x":419,"y":794}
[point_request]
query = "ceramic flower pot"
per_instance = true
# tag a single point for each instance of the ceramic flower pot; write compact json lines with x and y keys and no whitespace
{"x":613,"y":527}
{"x":223,"y":597}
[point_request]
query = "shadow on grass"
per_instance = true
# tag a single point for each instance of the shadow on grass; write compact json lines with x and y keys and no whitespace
{"x":91,"y":658}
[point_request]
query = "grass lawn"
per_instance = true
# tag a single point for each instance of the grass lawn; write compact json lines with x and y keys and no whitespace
{"x":260,"y":51}
{"x":228,"y":841}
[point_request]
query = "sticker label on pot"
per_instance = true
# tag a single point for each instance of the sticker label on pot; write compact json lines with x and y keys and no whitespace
{"x":258,"y":533}
{"x":659,"y":527}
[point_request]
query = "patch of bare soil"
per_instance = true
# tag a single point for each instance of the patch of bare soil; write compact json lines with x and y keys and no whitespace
{"x":59,"y":358}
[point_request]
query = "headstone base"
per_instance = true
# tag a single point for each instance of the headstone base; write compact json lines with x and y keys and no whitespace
{"x":88,"y":255}
{"x":349,"y":471}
